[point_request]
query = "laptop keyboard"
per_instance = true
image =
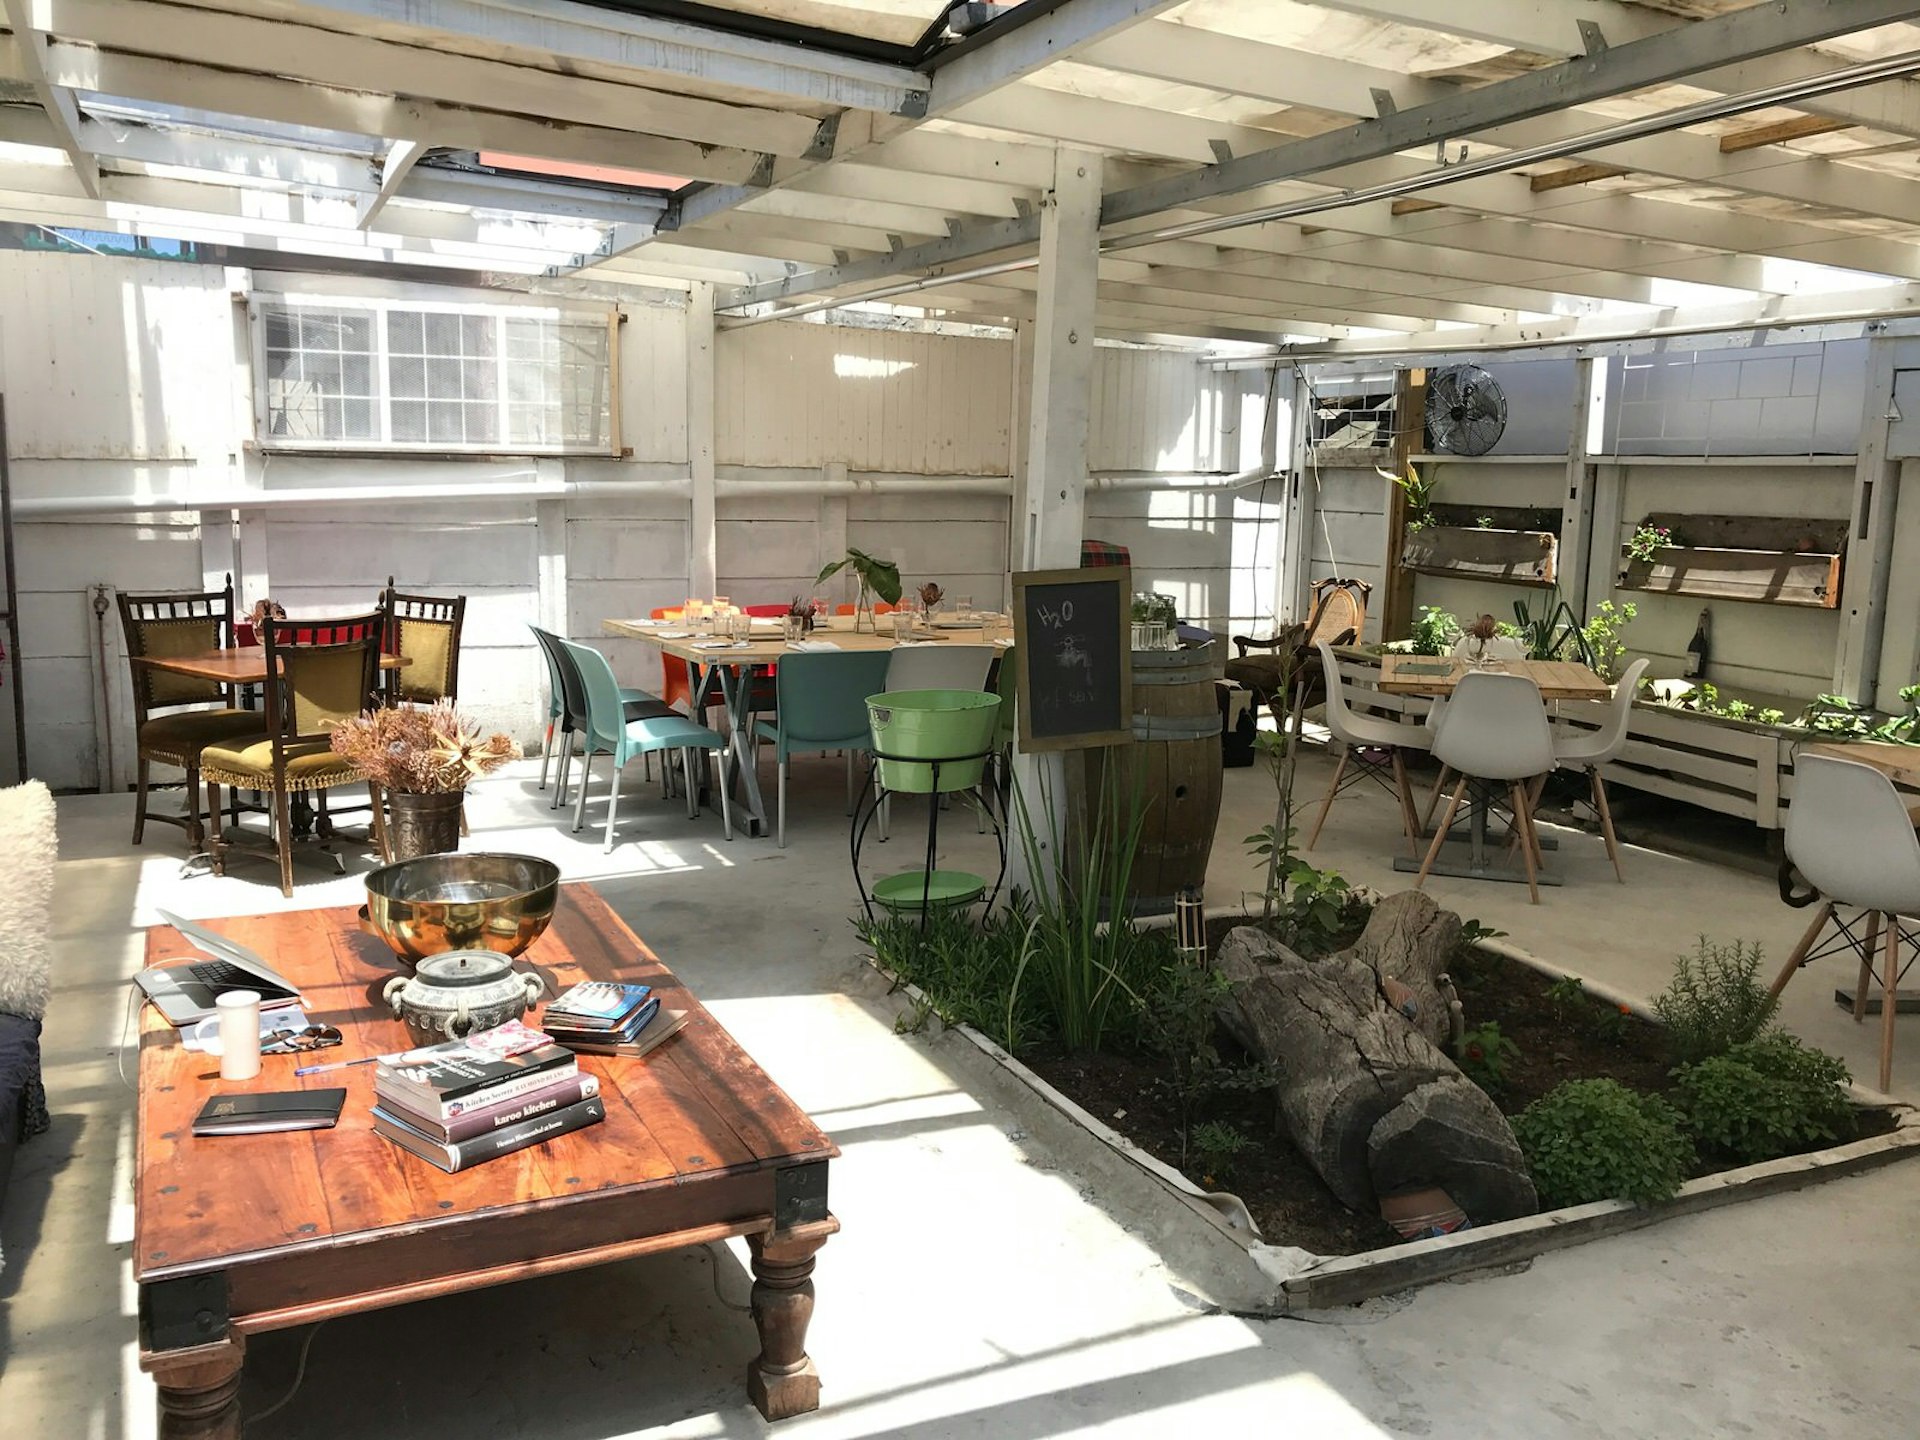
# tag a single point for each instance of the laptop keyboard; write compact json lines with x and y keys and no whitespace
{"x":220,"y":975}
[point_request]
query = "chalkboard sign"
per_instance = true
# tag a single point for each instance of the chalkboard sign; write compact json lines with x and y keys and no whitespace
{"x":1074,"y":633}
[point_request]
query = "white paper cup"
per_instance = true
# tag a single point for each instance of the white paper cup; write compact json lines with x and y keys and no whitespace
{"x":239,"y":1012}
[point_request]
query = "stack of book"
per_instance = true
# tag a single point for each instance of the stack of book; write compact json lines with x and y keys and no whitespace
{"x":468,"y":1101}
{"x":606,"y":1017}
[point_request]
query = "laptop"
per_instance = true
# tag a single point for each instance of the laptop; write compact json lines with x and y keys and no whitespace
{"x":185,"y":991}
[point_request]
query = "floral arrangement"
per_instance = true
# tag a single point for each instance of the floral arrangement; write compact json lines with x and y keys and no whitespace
{"x":420,"y":749}
{"x":930,"y":596}
{"x":264,"y":610}
{"x":1648,"y":541}
{"x":802,"y":609}
{"x":1482,"y":629}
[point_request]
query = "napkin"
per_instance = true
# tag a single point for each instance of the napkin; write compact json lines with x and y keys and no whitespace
{"x":811,"y":645}
{"x":675,"y":634}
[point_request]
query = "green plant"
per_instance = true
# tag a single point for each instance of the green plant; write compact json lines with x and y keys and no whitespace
{"x":1648,"y":541}
{"x":1317,"y":908}
{"x":965,"y":972}
{"x":1590,"y":1140}
{"x":1483,"y":1055}
{"x":1419,"y":497}
{"x":1765,"y":1098}
{"x":1610,"y":1022}
{"x":1434,"y":631}
{"x":1553,"y":632}
{"x":1568,"y":997}
{"x":875,"y":577}
{"x":1602,"y":636}
{"x":1836,"y":715}
{"x":1485,"y":522}
{"x":1215,"y":1144}
{"x":1179,"y":1022}
{"x":1714,"y":1001}
{"x":1149,"y":607}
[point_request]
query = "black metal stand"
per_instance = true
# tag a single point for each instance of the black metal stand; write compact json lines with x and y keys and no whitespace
{"x":873,"y":795}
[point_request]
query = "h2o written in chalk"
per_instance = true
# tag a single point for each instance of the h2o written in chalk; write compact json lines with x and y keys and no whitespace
{"x":1053,"y":618}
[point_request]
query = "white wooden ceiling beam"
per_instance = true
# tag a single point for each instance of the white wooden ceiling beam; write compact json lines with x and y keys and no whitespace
{"x":359,"y":62}
{"x":657,"y":50}
{"x":401,"y":157}
{"x":1056,"y":116}
{"x":1064,"y":33}
{"x":174,"y":82}
{"x":29,"y":55}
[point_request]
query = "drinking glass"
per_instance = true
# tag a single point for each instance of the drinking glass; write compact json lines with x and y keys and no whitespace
{"x":964,"y":607}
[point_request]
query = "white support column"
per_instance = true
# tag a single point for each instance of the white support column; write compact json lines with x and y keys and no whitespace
{"x":1021,"y":379}
{"x":1061,"y":399}
{"x":703,"y":563}
{"x":219,"y":549}
{"x":1295,"y":584}
{"x":1576,"y":519}
{"x":550,"y":538}
{"x":1607,"y":499}
{"x":830,"y":526}
{"x":1863,"y":592}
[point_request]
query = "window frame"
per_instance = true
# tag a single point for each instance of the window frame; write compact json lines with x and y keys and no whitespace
{"x":380,"y":308}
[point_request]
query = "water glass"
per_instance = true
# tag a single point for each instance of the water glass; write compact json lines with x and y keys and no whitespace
{"x":964,"y":605}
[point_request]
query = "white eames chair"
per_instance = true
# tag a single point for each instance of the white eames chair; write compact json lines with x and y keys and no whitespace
{"x":1500,"y":647}
{"x":1849,"y":835}
{"x":1495,"y":730}
{"x":1591,"y":750}
{"x":1356,"y":731}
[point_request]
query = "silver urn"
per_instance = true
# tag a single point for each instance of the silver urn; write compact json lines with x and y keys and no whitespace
{"x":451,"y":995}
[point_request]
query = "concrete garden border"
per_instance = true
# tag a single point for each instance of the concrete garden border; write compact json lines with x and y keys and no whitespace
{"x":1284,"y":1279}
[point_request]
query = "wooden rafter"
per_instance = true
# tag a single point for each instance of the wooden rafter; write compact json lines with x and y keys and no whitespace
{"x":1415,"y":207}
{"x":1798,"y":128}
{"x":1573,"y":175}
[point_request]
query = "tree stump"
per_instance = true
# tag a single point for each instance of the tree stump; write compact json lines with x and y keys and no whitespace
{"x":1376,"y":1106}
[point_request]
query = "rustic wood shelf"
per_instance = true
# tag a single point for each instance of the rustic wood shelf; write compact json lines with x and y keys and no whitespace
{"x":1770,"y":561}
{"x":1507,"y":557}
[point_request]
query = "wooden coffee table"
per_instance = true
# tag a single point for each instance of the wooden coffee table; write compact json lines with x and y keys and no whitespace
{"x":238,"y":1235}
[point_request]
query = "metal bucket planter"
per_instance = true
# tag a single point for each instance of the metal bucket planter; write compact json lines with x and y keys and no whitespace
{"x":423,"y":824}
{"x":913,"y":728}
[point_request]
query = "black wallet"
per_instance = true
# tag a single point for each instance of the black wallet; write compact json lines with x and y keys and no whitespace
{"x":256,"y":1114}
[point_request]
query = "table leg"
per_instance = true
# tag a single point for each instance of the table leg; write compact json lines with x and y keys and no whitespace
{"x":736,"y":688}
{"x":199,"y":1390}
{"x":782,"y":1380}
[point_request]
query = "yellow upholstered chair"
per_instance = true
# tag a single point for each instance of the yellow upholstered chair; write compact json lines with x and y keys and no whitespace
{"x":423,"y":630}
{"x":176,"y":716}
{"x":327,"y":671}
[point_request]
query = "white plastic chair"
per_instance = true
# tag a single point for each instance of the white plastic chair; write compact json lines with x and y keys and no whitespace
{"x":1353,"y":730}
{"x":1496,"y":729}
{"x":1849,"y":835}
{"x":1500,"y":647}
{"x":940,"y":667}
{"x":1590,"y":750}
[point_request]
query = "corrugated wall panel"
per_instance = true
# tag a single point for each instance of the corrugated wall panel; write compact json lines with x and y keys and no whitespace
{"x":653,"y":382}
{"x":1152,"y":410}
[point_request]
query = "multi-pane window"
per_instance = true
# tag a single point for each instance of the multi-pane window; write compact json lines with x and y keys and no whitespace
{"x":410,"y":377}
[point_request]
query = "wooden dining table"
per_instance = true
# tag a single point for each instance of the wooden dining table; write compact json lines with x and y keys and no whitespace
{"x":234,"y":665}
{"x":725,"y":667}
{"x":1439,"y":676}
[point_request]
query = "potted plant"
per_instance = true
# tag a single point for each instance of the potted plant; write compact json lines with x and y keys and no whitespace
{"x":875,"y":577}
{"x":423,"y":757}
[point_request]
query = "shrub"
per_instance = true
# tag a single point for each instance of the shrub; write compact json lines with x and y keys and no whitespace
{"x":1483,"y":1053}
{"x":967,"y":972}
{"x":1434,"y":631}
{"x":1596,"y":1140}
{"x":1766,"y":1098}
{"x":1714,"y":1001}
{"x":1215,"y":1144}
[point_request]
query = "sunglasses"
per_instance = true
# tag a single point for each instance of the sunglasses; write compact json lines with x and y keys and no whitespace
{"x":289,"y":1042}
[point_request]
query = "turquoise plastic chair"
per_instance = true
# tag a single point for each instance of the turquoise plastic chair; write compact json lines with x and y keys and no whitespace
{"x":637,"y":703}
{"x":608,"y":732}
{"x":822,"y":706}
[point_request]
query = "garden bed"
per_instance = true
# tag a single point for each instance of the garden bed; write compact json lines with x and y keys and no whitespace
{"x":1285,"y":1196}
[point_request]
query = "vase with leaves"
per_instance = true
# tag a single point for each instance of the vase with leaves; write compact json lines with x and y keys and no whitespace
{"x":874,"y":577}
{"x":422,"y":757}
{"x":1478,"y":636}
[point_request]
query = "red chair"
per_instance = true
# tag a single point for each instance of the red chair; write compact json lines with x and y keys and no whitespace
{"x":676,"y":685}
{"x":765,"y":612}
{"x":880,"y":607}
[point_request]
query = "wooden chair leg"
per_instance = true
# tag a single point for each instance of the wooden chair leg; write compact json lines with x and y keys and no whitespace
{"x":1433,"y":799}
{"x":283,"y":840}
{"x":1339,"y":769}
{"x":196,"y":833}
{"x":1864,"y":982}
{"x":140,"y":799}
{"x":1889,"y":1002}
{"x":216,"y":843}
{"x":1800,"y":951}
{"x":1524,"y":820}
{"x":1405,"y":792}
{"x":1440,"y":832}
{"x":546,"y":755}
{"x":1606,"y":824}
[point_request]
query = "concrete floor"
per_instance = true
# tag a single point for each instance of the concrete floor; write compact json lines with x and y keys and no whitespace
{"x":996,"y":1277}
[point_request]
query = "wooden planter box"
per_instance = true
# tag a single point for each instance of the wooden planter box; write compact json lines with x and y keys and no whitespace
{"x":1509,"y":557}
{"x":1770,"y":561}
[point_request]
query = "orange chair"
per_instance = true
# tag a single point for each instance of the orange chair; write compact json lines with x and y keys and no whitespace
{"x":676,"y":685}
{"x":765,"y":612}
{"x":880,"y":607}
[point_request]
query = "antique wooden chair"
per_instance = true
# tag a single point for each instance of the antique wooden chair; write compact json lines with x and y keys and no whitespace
{"x":424,"y":630}
{"x":176,"y":716}
{"x":327,"y":669}
{"x":1338,"y":617}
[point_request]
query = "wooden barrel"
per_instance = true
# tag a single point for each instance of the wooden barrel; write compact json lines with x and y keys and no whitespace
{"x":1174,"y":761}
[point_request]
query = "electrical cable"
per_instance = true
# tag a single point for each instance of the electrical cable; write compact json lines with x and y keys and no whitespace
{"x":126,"y":1031}
{"x":712,"y":1248}
{"x":299,"y":1375}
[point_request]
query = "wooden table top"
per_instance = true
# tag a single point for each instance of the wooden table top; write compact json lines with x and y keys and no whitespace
{"x":240,"y":665}
{"x":762,"y":651}
{"x":693,"y":1136}
{"x":1900,"y":763}
{"x":1557,"y":679}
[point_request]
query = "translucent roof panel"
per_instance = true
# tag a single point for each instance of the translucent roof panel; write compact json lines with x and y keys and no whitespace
{"x":894,"y":23}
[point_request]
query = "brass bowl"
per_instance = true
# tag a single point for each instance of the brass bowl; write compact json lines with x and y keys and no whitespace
{"x":436,"y":903}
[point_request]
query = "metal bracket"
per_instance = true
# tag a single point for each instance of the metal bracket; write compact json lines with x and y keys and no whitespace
{"x":180,"y":1314}
{"x":1592,"y":37}
{"x":799,"y":1194}
{"x":762,"y":175}
{"x":1222,"y":151}
{"x":824,"y":138}
{"x":1383,"y":102}
{"x":1022,"y":206}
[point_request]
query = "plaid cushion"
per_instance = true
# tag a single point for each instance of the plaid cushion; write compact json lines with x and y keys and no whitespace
{"x":1097,"y":554}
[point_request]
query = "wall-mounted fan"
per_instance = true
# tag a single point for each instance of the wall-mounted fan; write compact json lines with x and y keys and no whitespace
{"x":1466,"y":411}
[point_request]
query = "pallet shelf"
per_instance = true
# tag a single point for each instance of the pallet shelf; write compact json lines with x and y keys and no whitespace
{"x":1763,"y":560}
{"x":1514,"y":547}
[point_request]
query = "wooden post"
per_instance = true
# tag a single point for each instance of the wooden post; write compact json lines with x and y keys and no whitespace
{"x":1409,"y":439}
{"x":1863,"y":591}
{"x":702,"y":554}
{"x":1576,"y":515}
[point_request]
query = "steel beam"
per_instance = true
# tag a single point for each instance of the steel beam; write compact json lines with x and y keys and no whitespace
{"x":1061,"y":34}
